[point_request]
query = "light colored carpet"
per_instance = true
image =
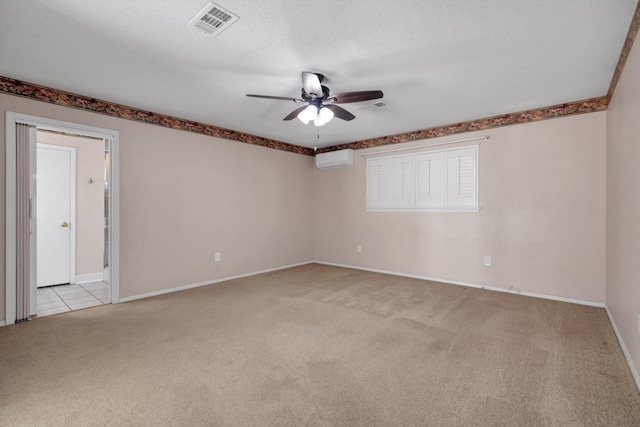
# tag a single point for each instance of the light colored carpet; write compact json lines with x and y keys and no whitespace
{"x":319,"y":345}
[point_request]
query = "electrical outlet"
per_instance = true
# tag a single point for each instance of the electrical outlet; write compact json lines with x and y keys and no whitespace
{"x":359,"y":248}
{"x":487,"y":261}
{"x":217,"y":257}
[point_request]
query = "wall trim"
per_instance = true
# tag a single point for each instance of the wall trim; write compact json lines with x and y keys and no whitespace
{"x":624,"y":53}
{"x":591,"y":105}
{"x":472,"y":285}
{"x":2,"y":323}
{"x":80,"y":102}
{"x":89,"y":277}
{"x":71,"y":100}
{"x":627,"y":355}
{"x":208,"y":282}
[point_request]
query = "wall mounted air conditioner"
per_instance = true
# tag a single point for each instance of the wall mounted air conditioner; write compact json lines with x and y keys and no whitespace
{"x":334,"y":159}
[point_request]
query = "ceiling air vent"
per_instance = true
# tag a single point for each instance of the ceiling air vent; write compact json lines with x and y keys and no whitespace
{"x":213,"y":19}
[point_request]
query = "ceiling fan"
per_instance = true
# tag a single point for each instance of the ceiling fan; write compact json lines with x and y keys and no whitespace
{"x":321,"y":105}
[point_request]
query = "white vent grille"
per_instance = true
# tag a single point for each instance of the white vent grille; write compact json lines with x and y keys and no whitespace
{"x":213,"y":19}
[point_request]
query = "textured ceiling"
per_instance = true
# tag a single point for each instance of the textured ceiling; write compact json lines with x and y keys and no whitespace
{"x":437,"y":61}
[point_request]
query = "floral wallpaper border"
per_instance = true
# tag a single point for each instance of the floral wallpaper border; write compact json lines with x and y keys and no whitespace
{"x":626,"y":48}
{"x":560,"y":110}
{"x":66,"y":99}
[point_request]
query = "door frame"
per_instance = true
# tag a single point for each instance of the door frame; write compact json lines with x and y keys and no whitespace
{"x":72,"y":205}
{"x":113,"y":140}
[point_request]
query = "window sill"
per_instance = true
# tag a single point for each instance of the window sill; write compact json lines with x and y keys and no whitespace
{"x":474,"y":209}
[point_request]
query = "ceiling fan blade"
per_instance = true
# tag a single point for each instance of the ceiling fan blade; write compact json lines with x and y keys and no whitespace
{"x":311,"y":84}
{"x":281,"y":98}
{"x":340,"y":112}
{"x":346,"y":97}
{"x":292,"y":115}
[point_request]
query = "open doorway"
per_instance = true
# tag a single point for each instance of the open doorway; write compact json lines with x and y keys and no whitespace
{"x":90,"y":270}
{"x":72,"y":221}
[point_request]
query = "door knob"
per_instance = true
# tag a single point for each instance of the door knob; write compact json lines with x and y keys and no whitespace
{"x":65,"y":224}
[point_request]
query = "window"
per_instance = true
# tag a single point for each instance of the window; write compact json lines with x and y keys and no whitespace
{"x":441,"y":181}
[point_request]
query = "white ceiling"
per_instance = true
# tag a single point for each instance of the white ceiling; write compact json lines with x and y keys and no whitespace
{"x":438,"y":62}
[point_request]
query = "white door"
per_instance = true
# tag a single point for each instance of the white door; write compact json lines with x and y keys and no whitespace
{"x":55,"y":169}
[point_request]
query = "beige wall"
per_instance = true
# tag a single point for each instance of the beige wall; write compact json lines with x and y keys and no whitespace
{"x":542,"y":192}
{"x":89,"y":199}
{"x":623,"y":205}
{"x":184,"y":196}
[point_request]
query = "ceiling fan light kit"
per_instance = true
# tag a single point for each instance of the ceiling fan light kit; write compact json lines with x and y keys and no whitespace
{"x":322,"y":105}
{"x":320,"y":116}
{"x":324,"y":116}
{"x":308,"y":114}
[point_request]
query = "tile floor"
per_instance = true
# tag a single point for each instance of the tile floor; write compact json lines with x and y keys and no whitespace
{"x":58,"y":299}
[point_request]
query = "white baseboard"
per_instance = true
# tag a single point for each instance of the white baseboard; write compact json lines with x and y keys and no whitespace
{"x":627,"y":356}
{"x":89,"y":277}
{"x":208,"y":282}
{"x":472,"y":285}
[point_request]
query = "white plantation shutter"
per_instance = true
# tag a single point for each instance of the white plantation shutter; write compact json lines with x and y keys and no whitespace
{"x":378,"y":183}
{"x":403,"y":187}
{"x":429,"y":180}
{"x":461,"y":177}
{"x":444,"y":180}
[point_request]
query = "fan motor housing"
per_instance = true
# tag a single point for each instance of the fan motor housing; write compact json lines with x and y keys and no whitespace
{"x":307,"y":97}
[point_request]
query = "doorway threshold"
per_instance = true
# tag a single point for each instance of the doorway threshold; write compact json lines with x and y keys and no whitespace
{"x":63,"y":298}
